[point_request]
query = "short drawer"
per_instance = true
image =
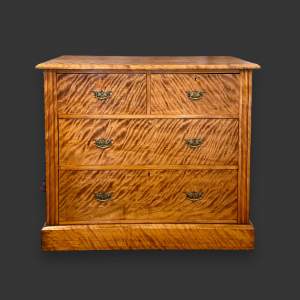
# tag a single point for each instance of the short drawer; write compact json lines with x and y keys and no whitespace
{"x":203,"y":94}
{"x":148,"y":142}
{"x":101,"y":94}
{"x":198,"y":196}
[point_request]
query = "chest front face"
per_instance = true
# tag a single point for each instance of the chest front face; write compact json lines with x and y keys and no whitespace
{"x":147,"y":157}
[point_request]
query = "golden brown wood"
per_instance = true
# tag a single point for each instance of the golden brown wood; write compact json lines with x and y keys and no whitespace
{"x":143,"y":71}
{"x":75,"y":93}
{"x":148,"y":196}
{"x":203,"y":116}
{"x":148,"y":92}
{"x":149,"y":168}
{"x":139,"y":142}
{"x":169,"y":94}
{"x":146,"y":63}
{"x":51,"y":154}
{"x":148,"y":236}
{"x":244,"y":147}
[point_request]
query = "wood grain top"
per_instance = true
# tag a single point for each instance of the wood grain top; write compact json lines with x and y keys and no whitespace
{"x":70,"y":62}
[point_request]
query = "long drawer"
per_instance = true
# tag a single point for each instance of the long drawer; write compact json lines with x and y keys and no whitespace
{"x":85,"y":94}
{"x":203,"y":94}
{"x":147,"y":142}
{"x":164,"y":196}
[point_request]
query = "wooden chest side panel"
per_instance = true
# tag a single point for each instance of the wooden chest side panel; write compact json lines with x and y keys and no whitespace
{"x":245,"y":146}
{"x":146,"y":142}
{"x":148,"y":196}
{"x":51,"y":149}
{"x":75,"y":93}
{"x":169,"y":94}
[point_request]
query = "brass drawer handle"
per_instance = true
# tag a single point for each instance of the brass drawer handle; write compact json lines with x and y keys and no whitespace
{"x":103,"y":197}
{"x":193,"y":143}
{"x":102,"y":95}
{"x":103,"y":143}
{"x":195,"y":95}
{"x":194,"y":196}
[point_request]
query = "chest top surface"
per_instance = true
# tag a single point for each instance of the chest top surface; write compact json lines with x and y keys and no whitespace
{"x":71,"y":62}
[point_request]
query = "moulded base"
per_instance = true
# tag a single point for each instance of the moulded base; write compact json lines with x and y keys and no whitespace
{"x":148,"y":236}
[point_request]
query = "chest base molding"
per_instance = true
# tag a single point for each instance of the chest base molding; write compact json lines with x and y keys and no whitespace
{"x":148,"y":236}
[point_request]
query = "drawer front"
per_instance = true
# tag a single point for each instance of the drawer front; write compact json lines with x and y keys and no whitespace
{"x":148,"y":196}
{"x":101,"y":93}
{"x":147,"y":142}
{"x":203,"y":94}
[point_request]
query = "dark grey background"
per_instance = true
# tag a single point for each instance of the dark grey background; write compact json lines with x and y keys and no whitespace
{"x":265,"y":32}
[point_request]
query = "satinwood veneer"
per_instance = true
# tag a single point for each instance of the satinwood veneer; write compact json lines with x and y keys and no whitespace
{"x":147,"y":153}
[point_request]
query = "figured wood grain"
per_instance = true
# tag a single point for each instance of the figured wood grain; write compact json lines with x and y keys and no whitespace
{"x":72,"y":62}
{"x":148,"y":236}
{"x":118,"y":116}
{"x":244,"y":147}
{"x":75,"y":93}
{"x":169,"y":94}
{"x":146,"y":142}
{"x":148,"y":167}
{"x":148,"y":76}
{"x":143,"y":71}
{"x":51,"y":149}
{"x":148,"y":196}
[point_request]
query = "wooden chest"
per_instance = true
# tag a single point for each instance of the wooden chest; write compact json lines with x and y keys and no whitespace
{"x":147,"y":153}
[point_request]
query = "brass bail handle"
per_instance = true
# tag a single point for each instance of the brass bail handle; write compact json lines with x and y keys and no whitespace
{"x":194,"y":143}
{"x":103,"y":143}
{"x":103,"y":196}
{"x":102,"y":95}
{"x":195,"y":95}
{"x":194,"y":196}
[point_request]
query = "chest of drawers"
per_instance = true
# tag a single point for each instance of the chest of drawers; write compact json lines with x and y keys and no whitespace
{"x":147,"y":153}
